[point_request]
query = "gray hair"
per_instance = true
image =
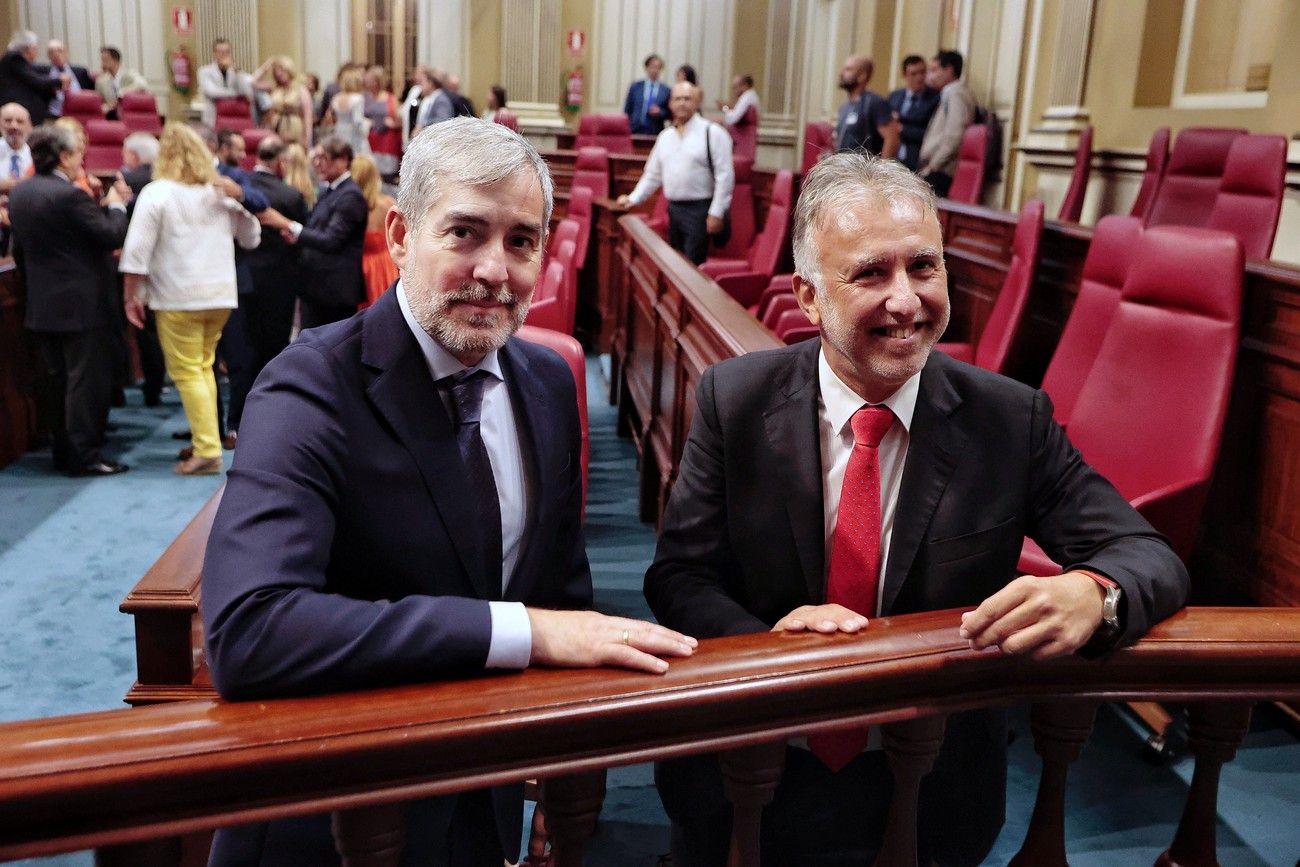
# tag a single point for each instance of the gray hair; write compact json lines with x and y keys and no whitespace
{"x":466,"y":150}
{"x":22,"y":40}
{"x":838,"y":178}
{"x":143,"y":145}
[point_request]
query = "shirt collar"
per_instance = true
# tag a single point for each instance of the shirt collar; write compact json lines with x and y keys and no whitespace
{"x":61,"y":174}
{"x":442,"y":363}
{"x":334,"y":184}
{"x":263,"y":169}
{"x":841,"y":402}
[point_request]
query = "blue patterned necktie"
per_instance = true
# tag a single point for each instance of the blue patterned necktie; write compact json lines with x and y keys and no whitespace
{"x":14,"y":171}
{"x":466,"y":404}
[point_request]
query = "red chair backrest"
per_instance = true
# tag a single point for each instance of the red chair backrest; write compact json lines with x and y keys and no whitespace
{"x":1157,"y":158}
{"x":565,"y":254}
{"x":567,"y":230}
{"x":972,"y":156}
{"x":793,"y":326}
{"x":817,"y":139}
{"x":233,"y":112}
{"x":252,"y":138}
{"x":612,"y":132}
{"x":1191,"y":180}
{"x":777,"y":307}
{"x":1249,"y":202}
{"x":591,"y":170}
{"x":659,"y":216}
{"x":571,"y":351}
{"x":742,"y":212}
{"x":780,"y":284}
{"x":83,"y":106}
{"x":1150,"y":415}
{"x":1000,"y":330}
{"x":1072,"y":204}
{"x":580,"y":212}
{"x":507,"y":118}
{"x":744,"y":135}
{"x":139,"y":111}
{"x":765,"y":254}
{"x":104,"y":148}
{"x":1110,"y":255}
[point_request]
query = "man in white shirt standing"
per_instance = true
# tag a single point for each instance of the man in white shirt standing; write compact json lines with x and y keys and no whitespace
{"x":15,"y":155}
{"x":744,"y":98}
{"x":221,"y":79}
{"x":692,"y":160}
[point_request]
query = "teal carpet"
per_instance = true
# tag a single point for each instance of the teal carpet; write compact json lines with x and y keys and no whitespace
{"x":71,"y":549}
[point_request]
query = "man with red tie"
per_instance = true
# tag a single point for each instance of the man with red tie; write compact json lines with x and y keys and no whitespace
{"x":861,"y":474}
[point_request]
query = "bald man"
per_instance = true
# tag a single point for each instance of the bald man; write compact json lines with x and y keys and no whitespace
{"x":865,"y":121}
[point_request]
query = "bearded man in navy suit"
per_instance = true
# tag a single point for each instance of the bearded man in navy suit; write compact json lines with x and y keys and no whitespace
{"x":405,"y":502}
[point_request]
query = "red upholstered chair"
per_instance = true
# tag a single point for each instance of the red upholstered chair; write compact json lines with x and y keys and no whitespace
{"x":994,"y":346}
{"x":1191,"y":181}
{"x":1157,"y":158}
{"x":547,"y":309}
{"x":658,"y":219}
{"x":565,"y":255}
{"x":972,"y":157}
{"x":612,"y":132}
{"x":233,"y":112}
{"x":781,"y":284}
{"x":571,"y":351}
{"x":507,"y":119}
{"x":567,"y":230}
{"x":744,"y":135}
{"x":745,"y":279}
{"x":818,"y":138}
{"x":591,"y":170}
{"x":139,"y":111}
{"x":1110,"y":256}
{"x":777,"y":307}
{"x":1249,"y":201}
{"x":794,"y":327}
{"x":104,"y":148}
{"x":580,"y":212}
{"x":83,"y":106}
{"x":1072,"y":204}
{"x":742,"y":215}
{"x":252,"y":138}
{"x":1168,"y":362}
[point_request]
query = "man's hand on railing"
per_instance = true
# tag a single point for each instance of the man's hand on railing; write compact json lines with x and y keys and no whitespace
{"x":1041,"y":617}
{"x":821,"y":618}
{"x":580,"y":639}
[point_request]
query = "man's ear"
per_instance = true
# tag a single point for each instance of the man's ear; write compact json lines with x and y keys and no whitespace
{"x":806,"y":294}
{"x":396,"y":231}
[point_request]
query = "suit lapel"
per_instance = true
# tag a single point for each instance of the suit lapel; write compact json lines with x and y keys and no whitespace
{"x":402,"y":390}
{"x":934,"y":446}
{"x":795,"y":460}
{"x":536,"y":426}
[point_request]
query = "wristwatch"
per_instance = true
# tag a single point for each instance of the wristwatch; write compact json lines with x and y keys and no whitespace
{"x":1110,"y":628}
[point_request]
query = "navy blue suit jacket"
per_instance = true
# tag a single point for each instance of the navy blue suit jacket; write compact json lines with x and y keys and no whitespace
{"x":913,"y":121}
{"x":635,"y":103}
{"x":338,"y":558}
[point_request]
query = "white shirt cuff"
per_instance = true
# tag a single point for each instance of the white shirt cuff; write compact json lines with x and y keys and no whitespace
{"x":117,"y":206}
{"x":295,"y":228}
{"x":511,"y":645}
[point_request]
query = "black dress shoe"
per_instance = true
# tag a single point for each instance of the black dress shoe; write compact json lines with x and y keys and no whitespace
{"x":101,"y":467}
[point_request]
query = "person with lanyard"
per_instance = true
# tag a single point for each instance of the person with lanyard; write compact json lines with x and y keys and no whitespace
{"x":692,"y":160}
{"x":865,"y":121}
{"x":646,"y":105}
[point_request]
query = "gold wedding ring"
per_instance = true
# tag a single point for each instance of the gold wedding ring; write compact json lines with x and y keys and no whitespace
{"x":626,"y":635}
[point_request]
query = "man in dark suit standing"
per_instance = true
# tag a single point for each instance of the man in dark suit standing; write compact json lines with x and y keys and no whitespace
{"x":331,"y":240}
{"x":416,"y":472}
{"x":646,"y":104}
{"x":23,"y":82}
{"x":274,"y":263}
{"x":138,"y":154}
{"x":860,"y":474}
{"x":77,"y":76}
{"x":913,"y":105}
{"x":62,"y":242}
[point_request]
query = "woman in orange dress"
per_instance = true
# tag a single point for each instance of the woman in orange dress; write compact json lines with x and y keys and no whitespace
{"x":376,"y":264}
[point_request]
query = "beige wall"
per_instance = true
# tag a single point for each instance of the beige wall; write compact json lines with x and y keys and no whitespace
{"x":279,"y":31}
{"x":484,"y":50}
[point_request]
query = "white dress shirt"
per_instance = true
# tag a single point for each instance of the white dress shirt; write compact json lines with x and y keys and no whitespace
{"x":7,"y":164}
{"x":680,"y":163}
{"x":835,"y":408}
{"x":736,"y":113}
{"x":511,"y":645}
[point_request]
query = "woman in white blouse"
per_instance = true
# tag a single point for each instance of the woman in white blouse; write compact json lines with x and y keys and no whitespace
{"x":179,"y":260}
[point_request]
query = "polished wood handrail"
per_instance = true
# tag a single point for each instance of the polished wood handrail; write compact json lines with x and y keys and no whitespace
{"x":105,"y":778}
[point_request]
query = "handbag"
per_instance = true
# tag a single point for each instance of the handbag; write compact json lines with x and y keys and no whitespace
{"x":722,"y":237}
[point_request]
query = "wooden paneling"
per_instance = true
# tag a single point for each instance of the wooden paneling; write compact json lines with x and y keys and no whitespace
{"x":18,"y":370}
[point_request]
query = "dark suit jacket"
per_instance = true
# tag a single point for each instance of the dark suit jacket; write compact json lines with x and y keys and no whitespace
{"x":634,"y":102}
{"x":273,"y":262}
{"x":743,"y":538}
{"x":84,"y":78}
{"x":914,"y":120}
{"x":62,"y":240}
{"x":337,"y":560}
{"x":24,"y":83}
{"x":331,"y":243}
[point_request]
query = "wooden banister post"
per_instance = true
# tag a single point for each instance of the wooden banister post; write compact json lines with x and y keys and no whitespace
{"x":370,"y":836}
{"x":1060,"y":731}
{"x":572,"y":804}
{"x":749,"y":776}
{"x":1215,"y":730}
{"x":911,"y":747}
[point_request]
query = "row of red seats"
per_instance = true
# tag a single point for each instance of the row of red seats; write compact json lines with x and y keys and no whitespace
{"x":137,"y":110}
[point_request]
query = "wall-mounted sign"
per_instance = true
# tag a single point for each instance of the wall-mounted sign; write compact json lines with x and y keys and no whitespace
{"x":576,"y":41}
{"x":182,"y":21}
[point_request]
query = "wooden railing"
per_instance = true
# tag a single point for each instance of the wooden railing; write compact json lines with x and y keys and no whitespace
{"x":114,"y":779}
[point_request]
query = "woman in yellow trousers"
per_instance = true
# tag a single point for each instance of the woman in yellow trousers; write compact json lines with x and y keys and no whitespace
{"x":179,"y":260}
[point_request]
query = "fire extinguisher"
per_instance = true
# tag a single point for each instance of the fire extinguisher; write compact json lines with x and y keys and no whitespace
{"x":573,"y":90}
{"x":182,"y":80}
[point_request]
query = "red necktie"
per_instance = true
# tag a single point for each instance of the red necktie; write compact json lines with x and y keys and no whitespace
{"x":855,"y":556}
